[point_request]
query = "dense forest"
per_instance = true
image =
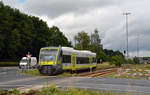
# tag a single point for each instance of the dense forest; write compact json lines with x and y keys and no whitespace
{"x":21,"y":33}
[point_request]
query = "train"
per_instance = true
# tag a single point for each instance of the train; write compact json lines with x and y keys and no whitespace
{"x":53,"y":60}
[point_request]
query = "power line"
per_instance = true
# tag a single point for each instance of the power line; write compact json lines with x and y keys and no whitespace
{"x":126,"y":15}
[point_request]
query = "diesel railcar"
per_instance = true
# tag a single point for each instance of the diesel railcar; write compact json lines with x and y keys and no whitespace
{"x":53,"y":60}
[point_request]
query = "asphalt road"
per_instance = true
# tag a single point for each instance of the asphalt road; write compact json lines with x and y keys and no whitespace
{"x":10,"y":78}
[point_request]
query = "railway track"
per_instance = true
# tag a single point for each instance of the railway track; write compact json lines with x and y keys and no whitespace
{"x":99,"y":73}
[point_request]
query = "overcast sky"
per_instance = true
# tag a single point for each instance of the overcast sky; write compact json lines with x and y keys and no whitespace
{"x":73,"y":16}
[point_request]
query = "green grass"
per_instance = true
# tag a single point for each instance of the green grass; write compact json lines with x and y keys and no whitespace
{"x":123,"y":76}
{"x":9,"y":63}
{"x":1,"y":91}
{"x":104,"y":65}
{"x":33,"y":72}
{"x":137,"y":66}
{"x":53,"y":90}
{"x":67,"y":74}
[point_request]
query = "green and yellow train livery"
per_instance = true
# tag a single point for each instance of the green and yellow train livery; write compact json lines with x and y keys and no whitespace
{"x":53,"y":60}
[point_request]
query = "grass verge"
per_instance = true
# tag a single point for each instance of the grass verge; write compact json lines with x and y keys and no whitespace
{"x":67,"y":74}
{"x":104,"y":65}
{"x":2,"y":64}
{"x":53,"y":90}
{"x":33,"y":72}
{"x":124,"y":76}
{"x":137,"y":66}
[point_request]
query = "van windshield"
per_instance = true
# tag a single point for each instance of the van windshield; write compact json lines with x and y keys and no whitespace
{"x":48,"y":55}
{"x":23,"y":61}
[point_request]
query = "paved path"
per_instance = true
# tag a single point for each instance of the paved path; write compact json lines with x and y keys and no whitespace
{"x":10,"y":78}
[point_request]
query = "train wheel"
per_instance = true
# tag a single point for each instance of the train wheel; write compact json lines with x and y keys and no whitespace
{"x":40,"y":70}
{"x":94,"y":68}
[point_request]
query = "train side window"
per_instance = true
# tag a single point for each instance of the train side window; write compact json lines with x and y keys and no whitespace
{"x":67,"y":59}
{"x":83,"y":60}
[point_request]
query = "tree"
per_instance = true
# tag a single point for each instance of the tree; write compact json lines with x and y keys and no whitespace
{"x":83,"y":41}
{"x":1,"y":42}
{"x":13,"y":44}
{"x":95,"y":41}
{"x":136,"y":60}
{"x":58,"y":37}
{"x":97,"y":47}
{"x":102,"y":56}
{"x":112,"y":53}
{"x":109,"y":52}
{"x":20,"y":33}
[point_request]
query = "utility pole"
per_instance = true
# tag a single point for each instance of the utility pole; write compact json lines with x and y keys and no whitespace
{"x":126,"y":15}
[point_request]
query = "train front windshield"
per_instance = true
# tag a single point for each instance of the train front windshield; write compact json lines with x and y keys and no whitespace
{"x":48,"y":55}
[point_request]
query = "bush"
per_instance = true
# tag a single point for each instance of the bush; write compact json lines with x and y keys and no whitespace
{"x":103,"y":57}
{"x":117,"y":60}
{"x":136,"y":60}
{"x":1,"y":91}
{"x":9,"y":63}
{"x":16,"y":92}
{"x":51,"y":90}
{"x":130,"y":61}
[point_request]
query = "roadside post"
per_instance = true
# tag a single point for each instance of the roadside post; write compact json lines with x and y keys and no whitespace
{"x":148,"y":76}
{"x":28,"y":60}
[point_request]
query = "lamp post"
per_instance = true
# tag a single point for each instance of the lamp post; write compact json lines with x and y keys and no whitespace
{"x":126,"y":15}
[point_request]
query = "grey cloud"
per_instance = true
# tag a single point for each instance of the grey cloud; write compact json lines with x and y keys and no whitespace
{"x":55,"y":8}
{"x":140,"y":27}
{"x":73,"y":16}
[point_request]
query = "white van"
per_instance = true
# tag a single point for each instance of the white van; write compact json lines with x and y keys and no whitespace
{"x":28,"y":62}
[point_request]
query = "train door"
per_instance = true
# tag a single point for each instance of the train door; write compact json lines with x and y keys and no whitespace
{"x":59,"y":65}
{"x":73,"y":61}
{"x":60,"y":58}
{"x":91,"y":59}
